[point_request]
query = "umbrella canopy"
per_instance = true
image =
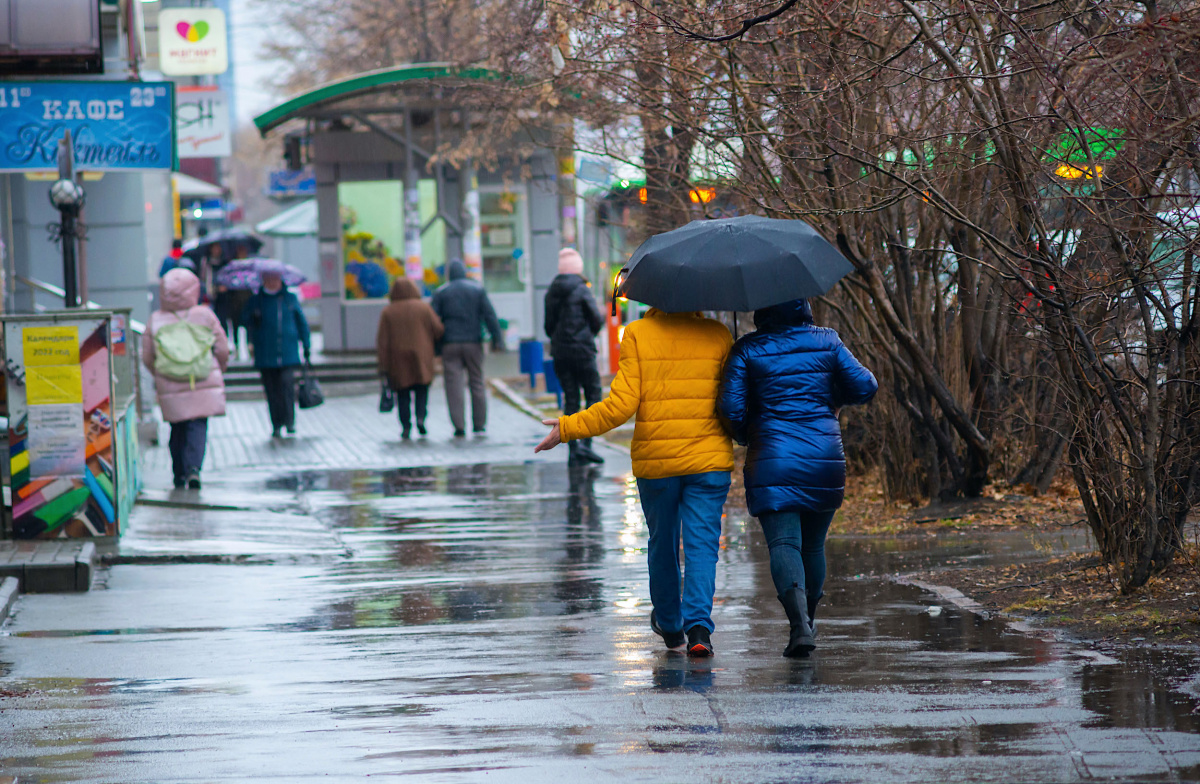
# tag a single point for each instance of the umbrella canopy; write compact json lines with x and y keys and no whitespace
{"x":228,"y":239}
{"x":247,"y":273}
{"x":739,"y":264}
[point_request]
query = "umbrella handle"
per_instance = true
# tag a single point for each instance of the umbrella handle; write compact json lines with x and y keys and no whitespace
{"x":616,"y":285}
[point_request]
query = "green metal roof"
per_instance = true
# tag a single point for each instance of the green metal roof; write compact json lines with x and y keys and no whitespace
{"x":363,"y":84}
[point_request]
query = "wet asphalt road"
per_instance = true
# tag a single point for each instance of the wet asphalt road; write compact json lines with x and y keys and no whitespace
{"x":489,"y":622}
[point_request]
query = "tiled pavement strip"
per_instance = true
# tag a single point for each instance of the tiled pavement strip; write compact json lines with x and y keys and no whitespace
{"x":349,"y":432}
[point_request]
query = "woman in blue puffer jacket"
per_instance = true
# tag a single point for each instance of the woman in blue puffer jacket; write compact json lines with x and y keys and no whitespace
{"x":780,"y":394}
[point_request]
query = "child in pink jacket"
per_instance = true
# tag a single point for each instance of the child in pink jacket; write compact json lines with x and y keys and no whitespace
{"x":185,"y":405}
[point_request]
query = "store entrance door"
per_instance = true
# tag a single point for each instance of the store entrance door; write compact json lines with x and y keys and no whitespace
{"x":504,"y":232}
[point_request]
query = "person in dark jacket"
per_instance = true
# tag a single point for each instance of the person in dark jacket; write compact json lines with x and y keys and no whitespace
{"x":572,"y":322}
{"x":780,"y":394}
{"x":277,"y":330}
{"x":464,"y":308}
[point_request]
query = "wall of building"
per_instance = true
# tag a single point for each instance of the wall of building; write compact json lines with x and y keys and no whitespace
{"x":116,"y":248}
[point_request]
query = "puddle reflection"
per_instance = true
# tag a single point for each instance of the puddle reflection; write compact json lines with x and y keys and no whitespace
{"x":485,"y":543}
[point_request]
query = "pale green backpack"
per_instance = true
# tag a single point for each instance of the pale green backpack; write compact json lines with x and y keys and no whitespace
{"x":183,"y":351}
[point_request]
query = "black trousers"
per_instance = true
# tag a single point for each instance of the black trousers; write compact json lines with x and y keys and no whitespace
{"x":573,"y":376}
{"x":419,"y":393}
{"x":188,"y":441}
{"x":280,"y":386}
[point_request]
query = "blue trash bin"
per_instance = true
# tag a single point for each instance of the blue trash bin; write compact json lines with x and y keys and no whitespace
{"x":552,"y":384}
{"x":532,"y":360}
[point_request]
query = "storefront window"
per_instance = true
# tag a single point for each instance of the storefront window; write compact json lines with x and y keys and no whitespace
{"x":502,"y":230}
{"x":433,"y":236}
{"x":372,"y":215}
{"x":373,"y":236}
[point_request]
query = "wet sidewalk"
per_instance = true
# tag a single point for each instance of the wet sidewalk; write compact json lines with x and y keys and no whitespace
{"x":464,"y":612}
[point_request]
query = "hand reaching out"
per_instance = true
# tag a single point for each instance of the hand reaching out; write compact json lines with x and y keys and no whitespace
{"x":552,"y":440}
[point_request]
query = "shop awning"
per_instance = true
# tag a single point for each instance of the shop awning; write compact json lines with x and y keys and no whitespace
{"x":367,"y":83}
{"x":296,"y":221}
{"x":189,"y":187}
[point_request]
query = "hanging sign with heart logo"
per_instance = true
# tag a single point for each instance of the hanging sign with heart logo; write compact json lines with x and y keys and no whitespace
{"x":192,"y":41}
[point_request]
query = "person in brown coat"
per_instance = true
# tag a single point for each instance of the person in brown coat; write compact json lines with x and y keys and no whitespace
{"x":408,"y":330}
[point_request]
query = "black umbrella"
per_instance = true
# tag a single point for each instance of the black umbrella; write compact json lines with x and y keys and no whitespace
{"x":739,"y":264}
{"x":229,"y":240}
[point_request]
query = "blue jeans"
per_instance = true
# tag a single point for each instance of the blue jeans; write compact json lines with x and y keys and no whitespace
{"x":687,"y":507}
{"x":797,"y":544}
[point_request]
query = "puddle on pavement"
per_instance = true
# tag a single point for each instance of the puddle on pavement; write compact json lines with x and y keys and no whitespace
{"x":489,"y":543}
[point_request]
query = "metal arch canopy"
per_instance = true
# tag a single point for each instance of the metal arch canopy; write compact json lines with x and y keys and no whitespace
{"x":363,"y":84}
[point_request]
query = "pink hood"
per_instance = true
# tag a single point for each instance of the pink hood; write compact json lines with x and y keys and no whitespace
{"x":179,"y":290}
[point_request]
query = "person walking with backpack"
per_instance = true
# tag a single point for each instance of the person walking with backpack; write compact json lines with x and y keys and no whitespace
{"x":669,"y":374}
{"x":572,"y":322}
{"x":277,"y":329}
{"x":782,"y":388}
{"x":186,"y":349}
{"x":464,"y":308}
{"x":404,"y":342}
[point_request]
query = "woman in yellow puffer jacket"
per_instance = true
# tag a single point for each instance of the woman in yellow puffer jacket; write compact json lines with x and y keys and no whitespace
{"x":670,"y":376}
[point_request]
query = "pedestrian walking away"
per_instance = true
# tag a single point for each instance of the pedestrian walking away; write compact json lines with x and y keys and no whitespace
{"x":186,"y":350}
{"x":277,"y":330}
{"x":465,"y":310}
{"x":669,"y":377}
{"x":572,"y":322}
{"x":404,"y":344}
{"x":781,"y":391}
{"x":175,"y":259}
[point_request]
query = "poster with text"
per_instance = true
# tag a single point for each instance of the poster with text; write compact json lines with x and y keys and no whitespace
{"x":60,"y":427}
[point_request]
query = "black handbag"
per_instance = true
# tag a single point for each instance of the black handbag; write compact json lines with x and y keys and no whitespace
{"x":308,"y":389}
{"x":387,"y":397}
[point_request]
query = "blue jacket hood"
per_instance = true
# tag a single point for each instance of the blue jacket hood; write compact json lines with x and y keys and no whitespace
{"x":456,"y":271}
{"x":785,"y":314}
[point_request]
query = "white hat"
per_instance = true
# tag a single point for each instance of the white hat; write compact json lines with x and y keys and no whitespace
{"x":570,"y":262}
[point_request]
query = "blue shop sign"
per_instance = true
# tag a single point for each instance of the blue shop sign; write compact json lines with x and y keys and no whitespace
{"x":283,"y":182}
{"x":115,"y":126}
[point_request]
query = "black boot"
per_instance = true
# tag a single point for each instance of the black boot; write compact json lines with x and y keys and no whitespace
{"x":575,"y":453}
{"x":812,"y":613}
{"x":587,"y":453}
{"x":801,"y":641}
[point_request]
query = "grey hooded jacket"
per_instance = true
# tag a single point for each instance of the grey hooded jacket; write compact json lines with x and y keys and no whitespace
{"x":464,"y":308}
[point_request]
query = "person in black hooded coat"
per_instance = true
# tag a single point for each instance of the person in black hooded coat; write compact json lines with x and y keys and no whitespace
{"x":572,"y":322}
{"x":780,"y":393}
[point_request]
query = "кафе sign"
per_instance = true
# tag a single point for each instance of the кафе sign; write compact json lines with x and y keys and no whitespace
{"x":114,"y":126}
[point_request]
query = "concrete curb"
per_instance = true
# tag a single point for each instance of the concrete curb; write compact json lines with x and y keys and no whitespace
{"x":962,"y":601}
{"x":522,"y":405}
{"x":518,"y":402}
{"x":950,"y":595}
{"x":8,"y":596}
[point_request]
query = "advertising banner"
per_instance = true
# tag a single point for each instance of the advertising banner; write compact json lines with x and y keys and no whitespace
{"x":202,"y":120}
{"x":115,"y":126}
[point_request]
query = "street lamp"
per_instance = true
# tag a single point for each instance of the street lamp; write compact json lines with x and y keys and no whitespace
{"x":67,"y":196}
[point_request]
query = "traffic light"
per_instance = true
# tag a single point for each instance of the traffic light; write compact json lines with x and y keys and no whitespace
{"x":293,"y":152}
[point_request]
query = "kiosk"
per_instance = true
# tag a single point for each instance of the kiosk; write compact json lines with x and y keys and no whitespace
{"x":71,"y":389}
{"x":391,"y":202}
